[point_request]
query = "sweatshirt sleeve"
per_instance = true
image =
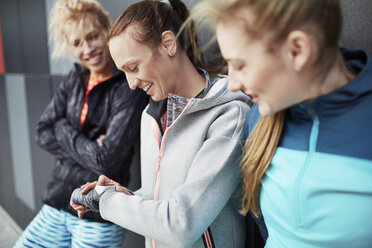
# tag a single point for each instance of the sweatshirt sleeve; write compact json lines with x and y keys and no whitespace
{"x":56,"y":110}
{"x":210,"y":183}
{"x":122,"y":131}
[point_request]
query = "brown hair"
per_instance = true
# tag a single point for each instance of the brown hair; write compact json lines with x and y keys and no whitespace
{"x":280,"y":17}
{"x":153,"y":18}
{"x":66,"y":11}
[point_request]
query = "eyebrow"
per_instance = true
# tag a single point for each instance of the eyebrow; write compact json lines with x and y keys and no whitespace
{"x":86,"y":35}
{"x":232,"y":60}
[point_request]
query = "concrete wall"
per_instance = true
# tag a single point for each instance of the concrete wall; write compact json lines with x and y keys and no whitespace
{"x":28,"y":79}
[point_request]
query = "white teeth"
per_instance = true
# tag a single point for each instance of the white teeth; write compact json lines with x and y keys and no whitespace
{"x":147,"y":87}
{"x":95,"y":59}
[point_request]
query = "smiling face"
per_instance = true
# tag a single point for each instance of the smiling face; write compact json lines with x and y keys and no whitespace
{"x":266,"y":76}
{"x":88,"y":44}
{"x":145,"y":68}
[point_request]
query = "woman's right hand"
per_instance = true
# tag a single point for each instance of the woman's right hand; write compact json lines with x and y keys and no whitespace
{"x":103,"y":181}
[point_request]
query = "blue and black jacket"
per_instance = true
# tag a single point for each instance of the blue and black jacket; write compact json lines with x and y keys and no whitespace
{"x":317,"y":191}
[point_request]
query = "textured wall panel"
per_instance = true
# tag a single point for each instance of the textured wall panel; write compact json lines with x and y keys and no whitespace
{"x":11,"y":36}
{"x":357,"y":31}
{"x":19,"y":138}
{"x":115,"y":7}
{"x":2,"y":61}
{"x":7,"y":193}
{"x":38,"y":96}
{"x":34,"y":36}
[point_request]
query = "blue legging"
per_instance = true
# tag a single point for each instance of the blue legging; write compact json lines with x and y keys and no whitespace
{"x":56,"y":228}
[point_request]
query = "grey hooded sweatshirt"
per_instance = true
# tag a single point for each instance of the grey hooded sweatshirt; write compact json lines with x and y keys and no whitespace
{"x":190,"y":194}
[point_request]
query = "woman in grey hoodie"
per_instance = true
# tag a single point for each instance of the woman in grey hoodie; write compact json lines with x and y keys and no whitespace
{"x":191,"y":137}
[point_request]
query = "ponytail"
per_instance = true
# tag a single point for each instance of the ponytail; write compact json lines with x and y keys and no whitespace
{"x":258,"y":152}
{"x":188,"y":35}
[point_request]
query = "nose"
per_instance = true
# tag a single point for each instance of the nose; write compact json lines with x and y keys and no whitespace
{"x":133,"y":82}
{"x":87,"y":47}
{"x":233,"y":83}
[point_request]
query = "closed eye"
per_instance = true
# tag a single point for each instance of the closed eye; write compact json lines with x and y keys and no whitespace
{"x":236,"y":66}
{"x":132,"y":69}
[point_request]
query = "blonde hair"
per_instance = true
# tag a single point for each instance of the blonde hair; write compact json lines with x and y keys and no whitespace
{"x":279,"y":17}
{"x":258,"y":152}
{"x":65,"y":12}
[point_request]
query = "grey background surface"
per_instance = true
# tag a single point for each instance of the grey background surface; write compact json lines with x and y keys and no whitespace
{"x":29,"y":83}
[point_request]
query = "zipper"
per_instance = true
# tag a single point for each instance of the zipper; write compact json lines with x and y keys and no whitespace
{"x":156,"y":130}
{"x":208,"y":239}
{"x":89,"y":113}
{"x":299,"y":219}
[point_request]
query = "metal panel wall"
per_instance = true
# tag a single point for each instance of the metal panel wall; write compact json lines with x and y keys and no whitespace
{"x":357,"y":32}
{"x":32,"y":77}
{"x":38,"y":91}
{"x":19,"y":137}
{"x":9,"y":12}
{"x":33,"y":36}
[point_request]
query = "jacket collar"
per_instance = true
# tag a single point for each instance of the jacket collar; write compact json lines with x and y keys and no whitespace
{"x":84,"y":74}
{"x":157,"y":109}
{"x":340,"y":100}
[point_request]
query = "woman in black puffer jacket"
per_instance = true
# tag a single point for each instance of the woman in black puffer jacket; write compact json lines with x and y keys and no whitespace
{"x":90,"y":126}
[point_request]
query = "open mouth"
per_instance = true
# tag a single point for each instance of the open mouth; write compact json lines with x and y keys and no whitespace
{"x":94,"y":60}
{"x":255,"y":98}
{"x":147,"y":87}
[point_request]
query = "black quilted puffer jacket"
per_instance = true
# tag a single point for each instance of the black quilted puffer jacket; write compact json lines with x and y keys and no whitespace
{"x":113,"y":110}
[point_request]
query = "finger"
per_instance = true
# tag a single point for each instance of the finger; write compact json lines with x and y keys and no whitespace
{"x":113,"y":182}
{"x":80,"y":214}
{"x":103,"y":180}
{"x":81,"y":208}
{"x":82,"y":186}
{"x":78,"y":206}
{"x":86,"y":188}
{"x":122,"y":189}
{"x":74,"y":205}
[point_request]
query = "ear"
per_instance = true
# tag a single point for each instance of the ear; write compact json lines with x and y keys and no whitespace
{"x":169,"y":43}
{"x":299,"y":49}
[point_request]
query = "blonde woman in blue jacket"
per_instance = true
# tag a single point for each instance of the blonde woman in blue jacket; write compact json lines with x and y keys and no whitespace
{"x":307,"y":164}
{"x":191,"y":136}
